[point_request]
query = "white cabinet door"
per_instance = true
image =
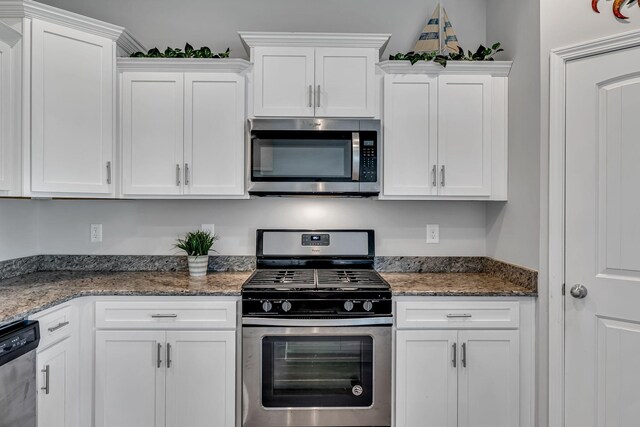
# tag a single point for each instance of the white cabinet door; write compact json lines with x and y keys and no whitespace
{"x":426,"y":379}
{"x":152,"y":133}
{"x":410,"y":135}
{"x":345,"y":84}
{"x":488,"y":379}
{"x":464,"y":142}
{"x":130,"y":379}
{"x":284,"y":82}
{"x":57,"y":386}
{"x":6,"y":144}
{"x":214,"y":134}
{"x":72,"y":108}
{"x":201,"y":379}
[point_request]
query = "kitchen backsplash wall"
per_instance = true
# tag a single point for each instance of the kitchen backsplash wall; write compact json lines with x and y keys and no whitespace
{"x":216,"y":23}
{"x":18,"y":228}
{"x":147,"y":227}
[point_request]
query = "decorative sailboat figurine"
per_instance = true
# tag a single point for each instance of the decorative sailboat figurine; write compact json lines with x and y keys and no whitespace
{"x":429,"y":40}
{"x":438,"y":35}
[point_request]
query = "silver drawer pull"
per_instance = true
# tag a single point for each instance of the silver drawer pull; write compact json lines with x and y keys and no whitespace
{"x":458,"y":316}
{"x":159,"y":358}
{"x":59,"y":326}
{"x":164,"y":316}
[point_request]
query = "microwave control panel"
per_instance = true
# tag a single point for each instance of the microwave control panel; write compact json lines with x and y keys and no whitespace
{"x":368,"y":157}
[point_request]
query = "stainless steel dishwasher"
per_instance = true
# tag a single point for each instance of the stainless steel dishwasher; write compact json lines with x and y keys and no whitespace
{"x":18,"y":343}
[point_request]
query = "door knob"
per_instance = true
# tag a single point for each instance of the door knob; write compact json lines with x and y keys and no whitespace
{"x":579,"y":291}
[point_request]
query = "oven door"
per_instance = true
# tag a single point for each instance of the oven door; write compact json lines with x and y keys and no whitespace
{"x":316,"y":376}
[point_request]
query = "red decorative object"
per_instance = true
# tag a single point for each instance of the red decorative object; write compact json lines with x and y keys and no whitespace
{"x":617,"y":5}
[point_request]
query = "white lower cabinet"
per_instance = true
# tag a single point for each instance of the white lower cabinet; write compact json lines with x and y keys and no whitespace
{"x":449,"y":375}
{"x":57,"y":388}
{"x":165,"y":378}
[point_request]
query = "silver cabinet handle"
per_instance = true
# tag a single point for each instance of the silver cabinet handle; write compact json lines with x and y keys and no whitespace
{"x":109,"y":173}
{"x":464,"y":355}
{"x":310,"y":96}
{"x":186,"y":174}
{"x":168,"y":355}
{"x":442,"y":173}
{"x":164,"y":316}
{"x":454,"y":357}
{"x":434,"y":173}
{"x":159,"y":354}
{"x":46,"y":379}
{"x":458,"y":316}
{"x":58,"y":326}
{"x":178,"y":175}
{"x":355,"y":161}
{"x":318,"y":97}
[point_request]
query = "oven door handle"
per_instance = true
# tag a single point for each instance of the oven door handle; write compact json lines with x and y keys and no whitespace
{"x":362,"y":321}
{"x":355,"y":164}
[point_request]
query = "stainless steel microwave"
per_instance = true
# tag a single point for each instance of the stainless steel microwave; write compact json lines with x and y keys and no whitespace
{"x":314,"y":157}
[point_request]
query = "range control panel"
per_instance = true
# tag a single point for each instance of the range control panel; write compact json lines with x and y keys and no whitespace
{"x":315,"y":240}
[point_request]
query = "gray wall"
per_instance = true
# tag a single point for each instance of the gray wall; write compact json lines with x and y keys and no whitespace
{"x":216,"y":22}
{"x":18,"y":228}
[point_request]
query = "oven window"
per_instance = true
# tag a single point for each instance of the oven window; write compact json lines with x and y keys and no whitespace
{"x":301,"y":156}
{"x":317,"y":371}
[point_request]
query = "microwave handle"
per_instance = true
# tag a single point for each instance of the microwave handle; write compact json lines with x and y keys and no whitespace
{"x":355,"y":163}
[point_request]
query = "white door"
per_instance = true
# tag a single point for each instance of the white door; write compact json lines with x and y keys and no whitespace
{"x":602,"y":335}
{"x":410,"y":135}
{"x":201,"y":379}
{"x":152,"y":133}
{"x":345,"y":85}
{"x":57,"y":386}
{"x":6,"y":144}
{"x":284,"y":82}
{"x":214,"y":134}
{"x":72,"y":105}
{"x":130,"y":379}
{"x":426,"y":378}
{"x":488,"y":379}
{"x":464,"y":140}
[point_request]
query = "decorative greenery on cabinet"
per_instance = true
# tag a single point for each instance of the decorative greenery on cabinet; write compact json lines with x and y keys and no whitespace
{"x":481,"y":54}
{"x":188,"y":52}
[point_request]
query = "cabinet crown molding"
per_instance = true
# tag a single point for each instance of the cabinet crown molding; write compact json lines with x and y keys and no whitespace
{"x":252,"y":39}
{"x":31,"y":9}
{"x":492,"y":68}
{"x":225,"y":65}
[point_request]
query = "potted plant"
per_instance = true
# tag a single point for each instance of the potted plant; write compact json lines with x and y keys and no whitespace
{"x":197,"y":245}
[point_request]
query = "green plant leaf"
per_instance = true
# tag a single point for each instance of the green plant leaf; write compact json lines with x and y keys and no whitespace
{"x":188,"y":48}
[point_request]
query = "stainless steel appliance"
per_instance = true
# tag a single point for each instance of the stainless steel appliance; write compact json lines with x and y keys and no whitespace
{"x":316,"y":332}
{"x":18,"y":343}
{"x":314,"y":157}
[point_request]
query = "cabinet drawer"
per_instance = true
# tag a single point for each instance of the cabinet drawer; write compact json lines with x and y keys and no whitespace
{"x":458,"y":315}
{"x":166,"y":315}
{"x":55,"y":324}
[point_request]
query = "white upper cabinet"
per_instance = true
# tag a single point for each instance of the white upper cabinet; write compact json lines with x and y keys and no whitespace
{"x":152,"y":110}
{"x":183,"y":132}
{"x":72,"y":105}
{"x":313,"y":74}
{"x":445,"y":131}
{"x":63,"y":104}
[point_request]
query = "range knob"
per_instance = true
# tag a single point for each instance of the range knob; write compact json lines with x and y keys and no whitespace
{"x":267,"y":306}
{"x":286,"y":306}
{"x":368,"y":305}
{"x":348,"y":305}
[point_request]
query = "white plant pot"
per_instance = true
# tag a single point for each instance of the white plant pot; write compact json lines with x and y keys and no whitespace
{"x":198,"y":265}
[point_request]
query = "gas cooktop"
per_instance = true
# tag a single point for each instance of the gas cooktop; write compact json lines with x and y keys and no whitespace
{"x":319,"y":273}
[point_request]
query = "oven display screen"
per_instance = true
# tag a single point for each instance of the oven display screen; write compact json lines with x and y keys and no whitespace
{"x":316,"y":371}
{"x":315,"y":240}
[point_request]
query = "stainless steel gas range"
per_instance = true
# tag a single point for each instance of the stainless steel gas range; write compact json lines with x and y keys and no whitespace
{"x":316,"y":332}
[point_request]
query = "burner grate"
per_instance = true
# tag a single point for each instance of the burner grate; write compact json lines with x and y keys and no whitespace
{"x":282,"y":279}
{"x":360,"y":279}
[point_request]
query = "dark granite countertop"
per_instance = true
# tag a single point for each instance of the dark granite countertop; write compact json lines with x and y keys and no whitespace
{"x":27,"y":294}
{"x":454,"y":284}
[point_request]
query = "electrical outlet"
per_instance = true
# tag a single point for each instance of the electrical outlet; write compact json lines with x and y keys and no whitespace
{"x":433,"y":233}
{"x":96,"y":233}
{"x":211,"y":228}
